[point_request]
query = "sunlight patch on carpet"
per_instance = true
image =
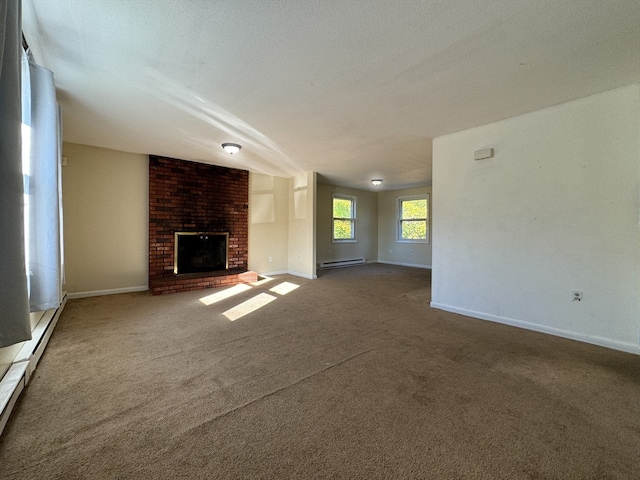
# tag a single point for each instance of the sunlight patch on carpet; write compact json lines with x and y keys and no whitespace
{"x":249,"y":306}
{"x":261,"y":281}
{"x":229,"y":292}
{"x":284,"y":288}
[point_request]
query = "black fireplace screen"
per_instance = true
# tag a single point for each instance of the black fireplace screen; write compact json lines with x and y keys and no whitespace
{"x":197,"y":252}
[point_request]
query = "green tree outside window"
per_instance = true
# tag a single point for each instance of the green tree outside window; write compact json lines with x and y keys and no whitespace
{"x":343,"y":218}
{"x":413,"y":219}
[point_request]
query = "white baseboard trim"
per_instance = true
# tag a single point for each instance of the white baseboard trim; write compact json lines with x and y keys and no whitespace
{"x":15,"y":380}
{"x":302,"y":275}
{"x":581,"y":337}
{"x":112,"y":291}
{"x":271,"y":274}
{"x":402,"y":264}
{"x":287,"y":272}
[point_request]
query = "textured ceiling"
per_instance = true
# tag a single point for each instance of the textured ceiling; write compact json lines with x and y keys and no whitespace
{"x":351,"y":89}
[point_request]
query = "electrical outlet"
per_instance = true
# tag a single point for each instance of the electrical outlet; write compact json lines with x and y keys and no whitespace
{"x":271,"y":259}
{"x":577,"y":296}
{"x":412,"y":251}
{"x":299,"y":257}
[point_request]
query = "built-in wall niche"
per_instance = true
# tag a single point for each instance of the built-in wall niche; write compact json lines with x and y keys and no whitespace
{"x":198,"y":252}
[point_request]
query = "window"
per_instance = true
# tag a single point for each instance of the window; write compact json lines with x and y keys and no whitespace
{"x":413,"y":219}
{"x":344,"y":218}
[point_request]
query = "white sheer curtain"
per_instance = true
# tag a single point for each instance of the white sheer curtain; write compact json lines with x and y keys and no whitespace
{"x":14,"y":304}
{"x":41,"y":166}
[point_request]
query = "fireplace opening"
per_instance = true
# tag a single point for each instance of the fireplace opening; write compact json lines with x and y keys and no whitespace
{"x":197,"y":252}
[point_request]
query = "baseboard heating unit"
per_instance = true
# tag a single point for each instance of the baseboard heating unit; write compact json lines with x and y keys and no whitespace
{"x":343,"y":263}
{"x":24,"y":364}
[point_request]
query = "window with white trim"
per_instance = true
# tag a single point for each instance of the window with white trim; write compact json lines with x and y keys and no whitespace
{"x":343,"y":218}
{"x":413,"y":219}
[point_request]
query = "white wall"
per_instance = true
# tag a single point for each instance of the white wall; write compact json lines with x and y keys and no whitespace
{"x":302,"y":225}
{"x":389,"y":249}
{"x":106,"y":219}
{"x":366,"y":245}
{"x":556,"y":210}
{"x":268,"y":224}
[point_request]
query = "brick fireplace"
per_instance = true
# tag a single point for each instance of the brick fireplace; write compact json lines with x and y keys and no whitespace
{"x":194,"y":197}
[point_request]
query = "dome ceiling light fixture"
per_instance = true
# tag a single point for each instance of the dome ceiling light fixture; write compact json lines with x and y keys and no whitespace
{"x":376,"y":181}
{"x":231,"y":148}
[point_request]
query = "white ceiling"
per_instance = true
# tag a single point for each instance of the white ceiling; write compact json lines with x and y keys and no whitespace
{"x":351,"y":89}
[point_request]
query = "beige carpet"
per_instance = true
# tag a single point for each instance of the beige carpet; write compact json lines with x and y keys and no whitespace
{"x":348,"y":376}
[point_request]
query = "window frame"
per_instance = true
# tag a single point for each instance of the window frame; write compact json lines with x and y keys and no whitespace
{"x":400,"y":220}
{"x":353,"y":199}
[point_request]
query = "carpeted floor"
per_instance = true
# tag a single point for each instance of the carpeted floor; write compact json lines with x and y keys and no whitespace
{"x":351,"y":376}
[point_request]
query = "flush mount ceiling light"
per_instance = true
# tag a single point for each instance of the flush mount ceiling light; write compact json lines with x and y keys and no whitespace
{"x":231,"y":148}
{"x":376,"y":181}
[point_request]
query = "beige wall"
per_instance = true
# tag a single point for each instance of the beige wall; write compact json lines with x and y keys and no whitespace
{"x":105,"y":195}
{"x":389,"y":249}
{"x":268,"y":224}
{"x":106,"y":221}
{"x":366,"y":245}
{"x":302,"y":225}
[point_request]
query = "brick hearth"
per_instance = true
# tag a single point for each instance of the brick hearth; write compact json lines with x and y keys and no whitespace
{"x":195,"y":197}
